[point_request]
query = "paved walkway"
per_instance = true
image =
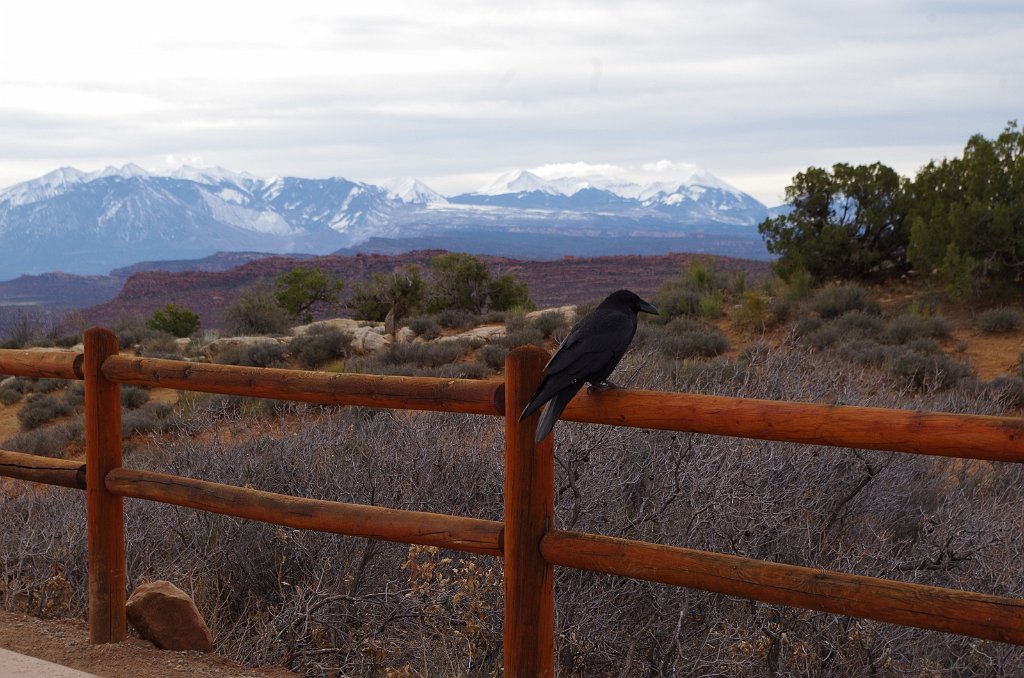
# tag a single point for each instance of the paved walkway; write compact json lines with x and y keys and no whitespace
{"x":14,"y":665}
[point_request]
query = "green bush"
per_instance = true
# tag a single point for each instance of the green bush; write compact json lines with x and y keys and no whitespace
{"x":42,"y":409}
{"x":1001,"y":320}
{"x":302,"y":289}
{"x":256,"y":311}
{"x":174,"y":320}
{"x":320,"y":345}
{"x":832,"y":302}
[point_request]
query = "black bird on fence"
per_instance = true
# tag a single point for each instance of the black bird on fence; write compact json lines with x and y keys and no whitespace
{"x":594,"y":347}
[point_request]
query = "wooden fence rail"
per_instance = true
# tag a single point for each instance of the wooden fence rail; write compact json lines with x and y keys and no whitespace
{"x":527,"y":538}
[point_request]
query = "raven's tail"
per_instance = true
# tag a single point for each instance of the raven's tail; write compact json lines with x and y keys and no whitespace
{"x":552,"y":412}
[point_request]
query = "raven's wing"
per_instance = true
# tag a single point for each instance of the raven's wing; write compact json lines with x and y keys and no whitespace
{"x":589,"y":353}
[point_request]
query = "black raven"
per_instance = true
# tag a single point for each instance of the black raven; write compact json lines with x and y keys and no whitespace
{"x":589,"y":354}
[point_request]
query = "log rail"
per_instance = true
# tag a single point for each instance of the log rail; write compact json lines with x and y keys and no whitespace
{"x":527,"y":538}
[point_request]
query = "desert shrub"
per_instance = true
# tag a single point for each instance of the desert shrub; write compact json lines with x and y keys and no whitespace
{"x":155,"y":417}
{"x":1000,"y":320}
{"x":905,"y":328}
{"x":48,"y":441}
{"x":134,"y":397}
{"x":425,"y":326}
{"x":924,"y":346}
{"x":520,"y":332}
{"x":456,"y":319}
{"x":9,"y":395}
{"x":550,"y":323}
{"x":320,"y":345}
{"x":832,"y":302}
{"x":863,"y":352}
{"x":256,"y":311}
{"x":493,"y":317}
{"x":493,"y":355}
{"x":74,"y":395}
{"x":1009,"y":391}
{"x":410,"y":359}
{"x":754,"y":312}
{"x":41,"y":409}
{"x":262,"y":354}
{"x":687,"y":343}
{"x":675,"y":302}
{"x":67,"y":340}
{"x":850,"y":326}
{"x":807,"y":325}
{"x":159,"y":345}
{"x":130,"y":331}
{"x":45,"y":385}
{"x":711,"y":304}
{"x":925,"y":369}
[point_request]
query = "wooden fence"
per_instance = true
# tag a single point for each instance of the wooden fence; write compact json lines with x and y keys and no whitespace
{"x":527,"y":538}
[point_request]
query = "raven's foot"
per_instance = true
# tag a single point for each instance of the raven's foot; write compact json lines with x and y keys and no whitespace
{"x":601,"y":386}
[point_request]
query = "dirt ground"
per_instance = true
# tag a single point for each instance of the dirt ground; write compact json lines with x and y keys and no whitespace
{"x":66,"y":642}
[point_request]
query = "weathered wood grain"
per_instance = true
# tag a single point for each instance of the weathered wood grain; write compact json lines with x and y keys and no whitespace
{"x":936,"y":433}
{"x":371,"y":390}
{"x":42,"y":469}
{"x":107,"y":621}
{"x":926,"y":607}
{"x":374,"y":522}
{"x":529,"y":514}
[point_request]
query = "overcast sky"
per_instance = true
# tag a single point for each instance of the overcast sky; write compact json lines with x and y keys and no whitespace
{"x":456,"y":92}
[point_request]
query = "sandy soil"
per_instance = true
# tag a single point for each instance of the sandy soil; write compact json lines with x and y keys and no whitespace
{"x":66,"y":642}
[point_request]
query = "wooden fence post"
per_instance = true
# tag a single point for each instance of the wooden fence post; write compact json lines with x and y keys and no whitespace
{"x":106,"y":513}
{"x":529,"y":512}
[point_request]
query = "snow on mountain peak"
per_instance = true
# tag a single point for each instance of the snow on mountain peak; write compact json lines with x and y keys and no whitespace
{"x":210,"y":175}
{"x":518,"y":181}
{"x":412,"y":191}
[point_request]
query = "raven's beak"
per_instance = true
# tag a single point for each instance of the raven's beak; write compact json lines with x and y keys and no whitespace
{"x":648,"y":308}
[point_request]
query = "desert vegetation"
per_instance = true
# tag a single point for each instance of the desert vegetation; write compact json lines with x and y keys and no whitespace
{"x":330,"y":605}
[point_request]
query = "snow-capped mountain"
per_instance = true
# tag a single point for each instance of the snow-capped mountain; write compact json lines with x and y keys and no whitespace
{"x":92,"y":222}
{"x":413,"y":191}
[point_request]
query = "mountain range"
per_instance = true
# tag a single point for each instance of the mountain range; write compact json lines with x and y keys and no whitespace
{"x":92,"y":222}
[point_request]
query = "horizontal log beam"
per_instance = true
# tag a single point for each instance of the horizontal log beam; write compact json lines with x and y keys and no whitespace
{"x":51,"y":364}
{"x":371,"y":390}
{"x":966,"y":436}
{"x":42,"y":469}
{"x":927,"y":607}
{"x":374,"y":522}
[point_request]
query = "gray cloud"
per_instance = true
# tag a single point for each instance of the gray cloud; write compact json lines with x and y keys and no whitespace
{"x":453,"y":91}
